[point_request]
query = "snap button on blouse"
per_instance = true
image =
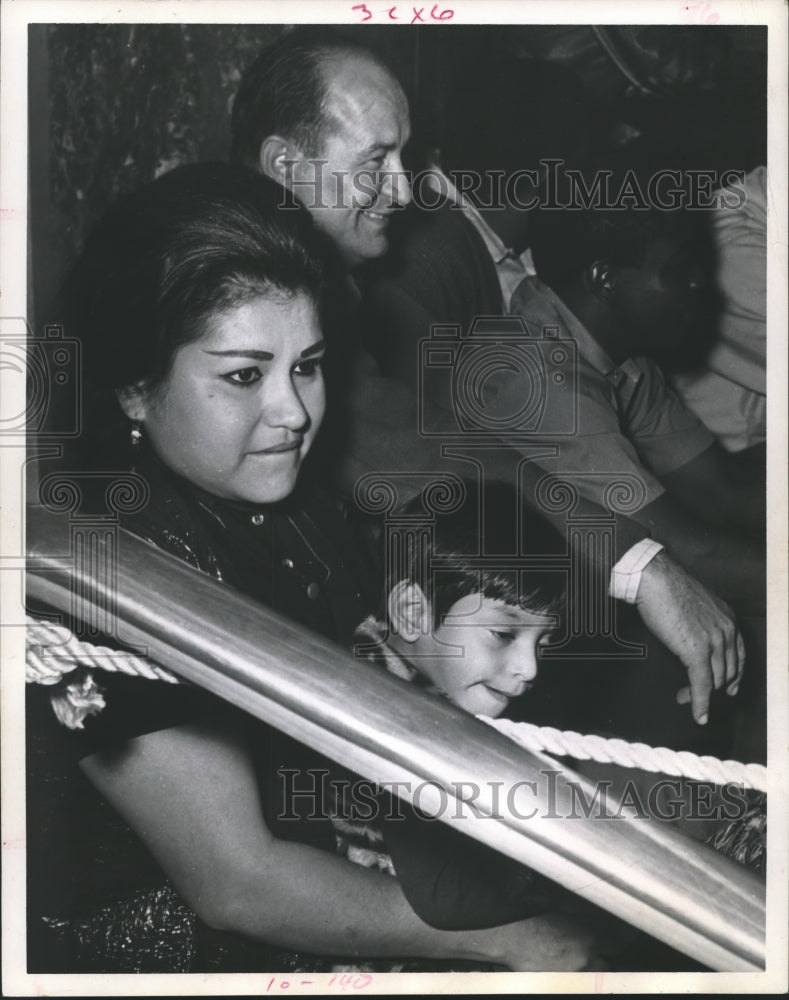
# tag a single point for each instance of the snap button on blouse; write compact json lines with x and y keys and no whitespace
{"x":313,"y":590}
{"x":258,"y":519}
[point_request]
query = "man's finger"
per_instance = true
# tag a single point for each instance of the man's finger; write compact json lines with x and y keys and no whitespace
{"x":700,"y":691}
{"x":718,"y":653}
{"x":739,"y":665}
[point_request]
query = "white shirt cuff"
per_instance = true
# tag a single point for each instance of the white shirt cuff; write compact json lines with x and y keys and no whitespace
{"x":626,"y":574}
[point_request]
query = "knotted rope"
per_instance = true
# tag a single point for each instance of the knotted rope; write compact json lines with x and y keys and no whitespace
{"x":53,"y":651}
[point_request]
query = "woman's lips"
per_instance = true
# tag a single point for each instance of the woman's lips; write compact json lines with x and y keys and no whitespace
{"x":279,"y":449}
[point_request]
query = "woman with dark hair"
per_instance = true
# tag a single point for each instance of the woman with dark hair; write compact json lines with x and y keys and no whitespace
{"x":155,"y":837}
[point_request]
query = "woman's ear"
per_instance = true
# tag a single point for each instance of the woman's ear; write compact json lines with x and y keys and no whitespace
{"x":133,"y":400}
{"x":278,"y":158}
{"x":409,"y":611}
{"x":601,"y":280}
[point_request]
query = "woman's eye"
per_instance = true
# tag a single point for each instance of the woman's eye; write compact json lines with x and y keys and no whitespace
{"x":309,"y":367}
{"x":502,"y":635}
{"x":244,"y":376}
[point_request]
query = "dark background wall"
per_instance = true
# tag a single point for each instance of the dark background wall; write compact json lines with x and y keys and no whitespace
{"x":112,"y":106}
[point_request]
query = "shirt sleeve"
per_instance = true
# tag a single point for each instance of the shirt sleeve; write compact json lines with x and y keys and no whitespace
{"x":612,"y":454}
{"x":664,"y":431}
{"x":596,"y":456}
{"x":135,"y":706}
{"x":453,"y":882}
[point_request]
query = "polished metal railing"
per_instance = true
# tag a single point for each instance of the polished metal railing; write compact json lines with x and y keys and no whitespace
{"x":672,"y":887}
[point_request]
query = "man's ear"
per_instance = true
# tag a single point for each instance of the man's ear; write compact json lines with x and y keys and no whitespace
{"x":277,"y":158}
{"x":133,"y":400}
{"x":601,"y":280}
{"x":409,"y":611}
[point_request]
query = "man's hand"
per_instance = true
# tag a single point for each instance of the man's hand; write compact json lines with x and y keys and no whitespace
{"x":696,"y":626}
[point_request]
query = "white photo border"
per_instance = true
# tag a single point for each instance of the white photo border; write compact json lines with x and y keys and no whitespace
{"x":16,"y":16}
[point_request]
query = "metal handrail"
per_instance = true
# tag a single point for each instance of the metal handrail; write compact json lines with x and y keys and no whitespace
{"x":674,"y":888}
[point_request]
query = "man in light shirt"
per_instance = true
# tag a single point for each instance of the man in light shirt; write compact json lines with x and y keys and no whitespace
{"x":631,"y":287}
{"x":729,"y":390}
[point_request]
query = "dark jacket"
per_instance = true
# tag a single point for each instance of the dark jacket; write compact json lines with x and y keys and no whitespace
{"x":439,"y":272}
{"x":97,"y":900}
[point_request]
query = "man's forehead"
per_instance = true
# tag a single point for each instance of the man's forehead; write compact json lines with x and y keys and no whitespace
{"x":361,"y":93}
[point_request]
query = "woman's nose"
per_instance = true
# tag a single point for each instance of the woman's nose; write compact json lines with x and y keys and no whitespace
{"x":283,"y":406}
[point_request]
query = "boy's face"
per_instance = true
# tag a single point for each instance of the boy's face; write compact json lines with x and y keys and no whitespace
{"x":495,"y":654}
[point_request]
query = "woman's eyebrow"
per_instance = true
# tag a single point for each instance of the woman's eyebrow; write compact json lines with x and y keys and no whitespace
{"x":243,"y":353}
{"x":257,"y":355}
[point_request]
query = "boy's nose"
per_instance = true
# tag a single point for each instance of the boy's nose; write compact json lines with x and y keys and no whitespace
{"x":523,"y":664}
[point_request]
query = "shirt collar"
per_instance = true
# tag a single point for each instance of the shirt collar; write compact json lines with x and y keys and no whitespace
{"x":443,"y":185}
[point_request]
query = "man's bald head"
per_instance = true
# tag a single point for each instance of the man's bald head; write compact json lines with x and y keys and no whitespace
{"x":284,"y":92}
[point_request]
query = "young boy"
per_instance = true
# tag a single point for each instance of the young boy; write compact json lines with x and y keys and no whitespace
{"x":466,"y":614}
{"x":472,"y":633}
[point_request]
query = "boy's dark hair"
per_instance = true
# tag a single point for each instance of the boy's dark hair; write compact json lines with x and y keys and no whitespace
{"x":444,"y":561}
{"x":283,"y":93}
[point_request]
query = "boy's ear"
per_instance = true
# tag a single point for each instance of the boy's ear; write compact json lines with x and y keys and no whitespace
{"x":133,"y":400}
{"x":278,"y":157}
{"x":601,"y":280}
{"x":409,"y":611}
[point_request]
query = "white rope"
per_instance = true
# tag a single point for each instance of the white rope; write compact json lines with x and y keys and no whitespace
{"x":53,"y":651}
{"x":680,"y":763}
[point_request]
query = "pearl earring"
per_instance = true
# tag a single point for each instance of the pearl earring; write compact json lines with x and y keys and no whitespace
{"x":135,"y":433}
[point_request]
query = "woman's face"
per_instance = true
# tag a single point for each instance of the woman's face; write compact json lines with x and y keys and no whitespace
{"x":243,"y":402}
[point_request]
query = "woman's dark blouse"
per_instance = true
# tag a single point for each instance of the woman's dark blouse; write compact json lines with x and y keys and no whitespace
{"x":301,"y":557}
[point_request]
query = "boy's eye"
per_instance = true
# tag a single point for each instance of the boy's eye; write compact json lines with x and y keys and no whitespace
{"x":308,"y":367}
{"x":244,"y":376}
{"x":548,"y":639}
{"x":502,"y":635}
